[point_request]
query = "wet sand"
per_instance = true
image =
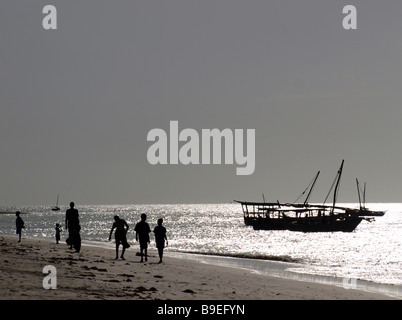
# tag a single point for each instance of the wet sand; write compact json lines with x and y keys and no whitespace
{"x":93,"y":274}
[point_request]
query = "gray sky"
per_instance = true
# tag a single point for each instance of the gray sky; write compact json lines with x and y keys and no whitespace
{"x":77,"y":103}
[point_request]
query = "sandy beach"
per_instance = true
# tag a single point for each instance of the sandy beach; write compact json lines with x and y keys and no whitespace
{"x":93,"y":274}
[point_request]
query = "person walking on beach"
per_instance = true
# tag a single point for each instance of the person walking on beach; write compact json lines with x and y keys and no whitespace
{"x":142,"y":231}
{"x":121,"y":227}
{"x":58,"y":229}
{"x":19,"y":223}
{"x":73,"y":227}
{"x":160,"y":237}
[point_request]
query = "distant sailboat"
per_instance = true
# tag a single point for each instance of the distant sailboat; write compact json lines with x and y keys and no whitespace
{"x":56,"y":207}
{"x":363,"y":210}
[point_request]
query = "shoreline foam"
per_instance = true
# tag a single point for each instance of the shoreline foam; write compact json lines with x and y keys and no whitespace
{"x":286,"y":270}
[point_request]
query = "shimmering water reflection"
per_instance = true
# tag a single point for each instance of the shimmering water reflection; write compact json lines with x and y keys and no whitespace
{"x":372,"y":252}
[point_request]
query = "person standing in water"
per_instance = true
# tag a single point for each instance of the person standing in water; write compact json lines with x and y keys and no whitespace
{"x":19,"y":223}
{"x":121,"y":227}
{"x":160,"y":237}
{"x":142,"y":231}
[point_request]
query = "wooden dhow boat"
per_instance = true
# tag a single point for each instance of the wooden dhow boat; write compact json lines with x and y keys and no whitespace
{"x":268,"y":216}
{"x":363,"y":211}
{"x":303,"y":217}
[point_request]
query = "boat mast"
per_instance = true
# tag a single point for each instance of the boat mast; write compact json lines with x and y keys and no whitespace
{"x":358,"y":192}
{"x":310,"y":185}
{"x":311,"y":189}
{"x":337,"y":186}
{"x":364,"y":196}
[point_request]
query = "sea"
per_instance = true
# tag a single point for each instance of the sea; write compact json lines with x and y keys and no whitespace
{"x":369,"y":258}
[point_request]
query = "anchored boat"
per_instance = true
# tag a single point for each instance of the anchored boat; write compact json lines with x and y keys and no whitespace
{"x":56,"y":207}
{"x":303,"y":217}
{"x":363,"y":211}
{"x":309,"y":218}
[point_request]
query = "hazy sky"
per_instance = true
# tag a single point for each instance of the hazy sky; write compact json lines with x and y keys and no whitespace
{"x":78,"y":102}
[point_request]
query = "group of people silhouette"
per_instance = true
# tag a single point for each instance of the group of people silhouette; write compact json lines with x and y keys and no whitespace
{"x":142,"y":231}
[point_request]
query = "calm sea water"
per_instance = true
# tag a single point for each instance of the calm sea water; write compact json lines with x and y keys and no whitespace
{"x":372,"y":252}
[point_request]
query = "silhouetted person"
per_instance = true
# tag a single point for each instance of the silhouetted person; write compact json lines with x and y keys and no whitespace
{"x":160,"y":237}
{"x":58,"y":229}
{"x":121,"y":227}
{"x":73,"y":227}
{"x":142,"y":234}
{"x":19,"y":223}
